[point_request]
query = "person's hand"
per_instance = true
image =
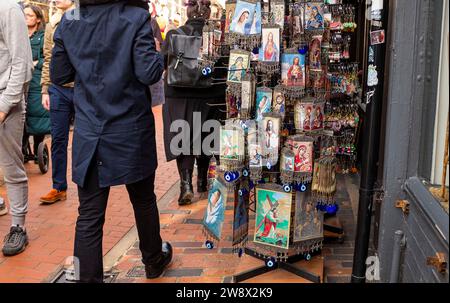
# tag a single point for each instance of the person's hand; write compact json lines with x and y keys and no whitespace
{"x":157,"y":45}
{"x":46,"y":101}
{"x":2,"y":117}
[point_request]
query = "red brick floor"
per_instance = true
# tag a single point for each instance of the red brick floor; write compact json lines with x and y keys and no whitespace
{"x":51,"y":228}
{"x":193,"y":263}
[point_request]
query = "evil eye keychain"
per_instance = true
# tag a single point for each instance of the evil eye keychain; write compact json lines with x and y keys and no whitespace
{"x":207,"y":71}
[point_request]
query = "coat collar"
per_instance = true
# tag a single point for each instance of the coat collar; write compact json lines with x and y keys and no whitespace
{"x":56,"y":17}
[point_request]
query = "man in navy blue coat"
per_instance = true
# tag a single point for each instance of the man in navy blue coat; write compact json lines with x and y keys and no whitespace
{"x":110,"y":54}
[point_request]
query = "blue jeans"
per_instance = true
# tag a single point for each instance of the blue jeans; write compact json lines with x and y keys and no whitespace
{"x":61,"y":113}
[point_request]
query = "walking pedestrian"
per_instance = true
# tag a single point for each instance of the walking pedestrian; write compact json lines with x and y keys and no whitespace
{"x":37,"y":118}
{"x":58,"y":99}
{"x":113,"y":60}
{"x":183,"y":102}
{"x":16,"y":67}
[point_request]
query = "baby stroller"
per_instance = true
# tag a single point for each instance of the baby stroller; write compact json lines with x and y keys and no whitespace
{"x":37,"y":125}
{"x":40,"y":155}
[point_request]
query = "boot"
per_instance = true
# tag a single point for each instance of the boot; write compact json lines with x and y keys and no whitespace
{"x":202,"y":179}
{"x":186,"y":190}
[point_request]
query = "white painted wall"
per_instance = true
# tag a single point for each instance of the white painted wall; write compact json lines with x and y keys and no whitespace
{"x":442,"y":103}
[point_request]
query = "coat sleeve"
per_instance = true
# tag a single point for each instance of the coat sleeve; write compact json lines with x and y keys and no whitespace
{"x":14,"y":32}
{"x":61,"y":69}
{"x":148,"y":63}
{"x":48,"y":46}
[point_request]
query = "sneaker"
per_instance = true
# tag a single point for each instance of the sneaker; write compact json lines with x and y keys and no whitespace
{"x":15,"y":242}
{"x":54,"y":196}
{"x":155,"y":270}
{"x":3,"y":208}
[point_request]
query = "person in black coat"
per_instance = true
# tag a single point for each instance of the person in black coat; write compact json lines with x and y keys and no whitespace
{"x":110,"y":55}
{"x":189,"y":104}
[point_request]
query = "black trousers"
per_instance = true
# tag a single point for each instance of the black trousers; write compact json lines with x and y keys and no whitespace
{"x":187,"y":162}
{"x":89,"y":228}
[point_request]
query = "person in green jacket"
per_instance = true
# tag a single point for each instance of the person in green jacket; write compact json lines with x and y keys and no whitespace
{"x":37,"y":118}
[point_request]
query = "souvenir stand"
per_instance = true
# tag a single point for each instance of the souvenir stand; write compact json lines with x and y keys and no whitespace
{"x":292,"y":125}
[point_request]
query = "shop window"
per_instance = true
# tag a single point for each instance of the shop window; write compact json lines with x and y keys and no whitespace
{"x":439,"y":177}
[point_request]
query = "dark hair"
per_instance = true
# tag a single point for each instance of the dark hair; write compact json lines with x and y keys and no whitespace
{"x":198,"y":9}
{"x":39,"y":15}
{"x":139,"y":3}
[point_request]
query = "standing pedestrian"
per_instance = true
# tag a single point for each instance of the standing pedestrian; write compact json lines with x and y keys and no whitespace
{"x":16,"y":67}
{"x":58,"y":99}
{"x":113,"y":60}
{"x":37,"y":118}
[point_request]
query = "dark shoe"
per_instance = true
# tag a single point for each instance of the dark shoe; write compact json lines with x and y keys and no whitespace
{"x":27,"y":158}
{"x":3,"y":208}
{"x":155,"y":270}
{"x":15,"y":242}
{"x":202,"y":179}
{"x":186,"y":189}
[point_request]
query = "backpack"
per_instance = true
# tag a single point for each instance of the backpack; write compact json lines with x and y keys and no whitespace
{"x":183,"y":68}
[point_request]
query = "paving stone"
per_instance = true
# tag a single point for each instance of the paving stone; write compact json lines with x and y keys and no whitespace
{"x":175,"y":211}
{"x":194,"y":221}
{"x":188,"y":272}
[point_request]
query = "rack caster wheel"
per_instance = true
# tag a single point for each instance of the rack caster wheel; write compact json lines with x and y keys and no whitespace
{"x":240,"y":253}
{"x":209,"y":244}
{"x":270,"y":263}
{"x":287,"y":188}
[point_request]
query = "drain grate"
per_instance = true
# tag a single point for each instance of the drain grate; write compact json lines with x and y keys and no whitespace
{"x":136,"y":272}
{"x":62,"y":277}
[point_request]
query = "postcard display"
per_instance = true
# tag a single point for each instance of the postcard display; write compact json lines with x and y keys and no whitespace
{"x":292,"y":121}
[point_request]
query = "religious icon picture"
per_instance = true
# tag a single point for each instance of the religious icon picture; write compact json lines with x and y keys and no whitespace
{"x":217,"y":35}
{"x":230,"y":7}
{"x":287,"y":161}
{"x":255,"y":155}
{"x":314,"y":15}
{"x":377,"y":37}
{"x":308,"y":220}
{"x":316,"y":79}
{"x":271,"y":127}
{"x":270,"y":50}
{"x":279,"y":103}
{"x":318,"y":116}
{"x":293,"y":70}
{"x":238,"y":65}
{"x":303,"y":152}
{"x":263,"y":102}
{"x":215,"y":209}
{"x":257,"y":20}
{"x":229,"y":141}
{"x":273,"y":217}
{"x":315,"y":53}
{"x":277,"y":10}
{"x":206,"y":43}
{"x":243,"y":17}
{"x":247,"y":94}
{"x":303,"y":116}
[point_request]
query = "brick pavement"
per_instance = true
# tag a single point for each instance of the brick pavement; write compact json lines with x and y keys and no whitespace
{"x":194,"y":263}
{"x":51,"y":228}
